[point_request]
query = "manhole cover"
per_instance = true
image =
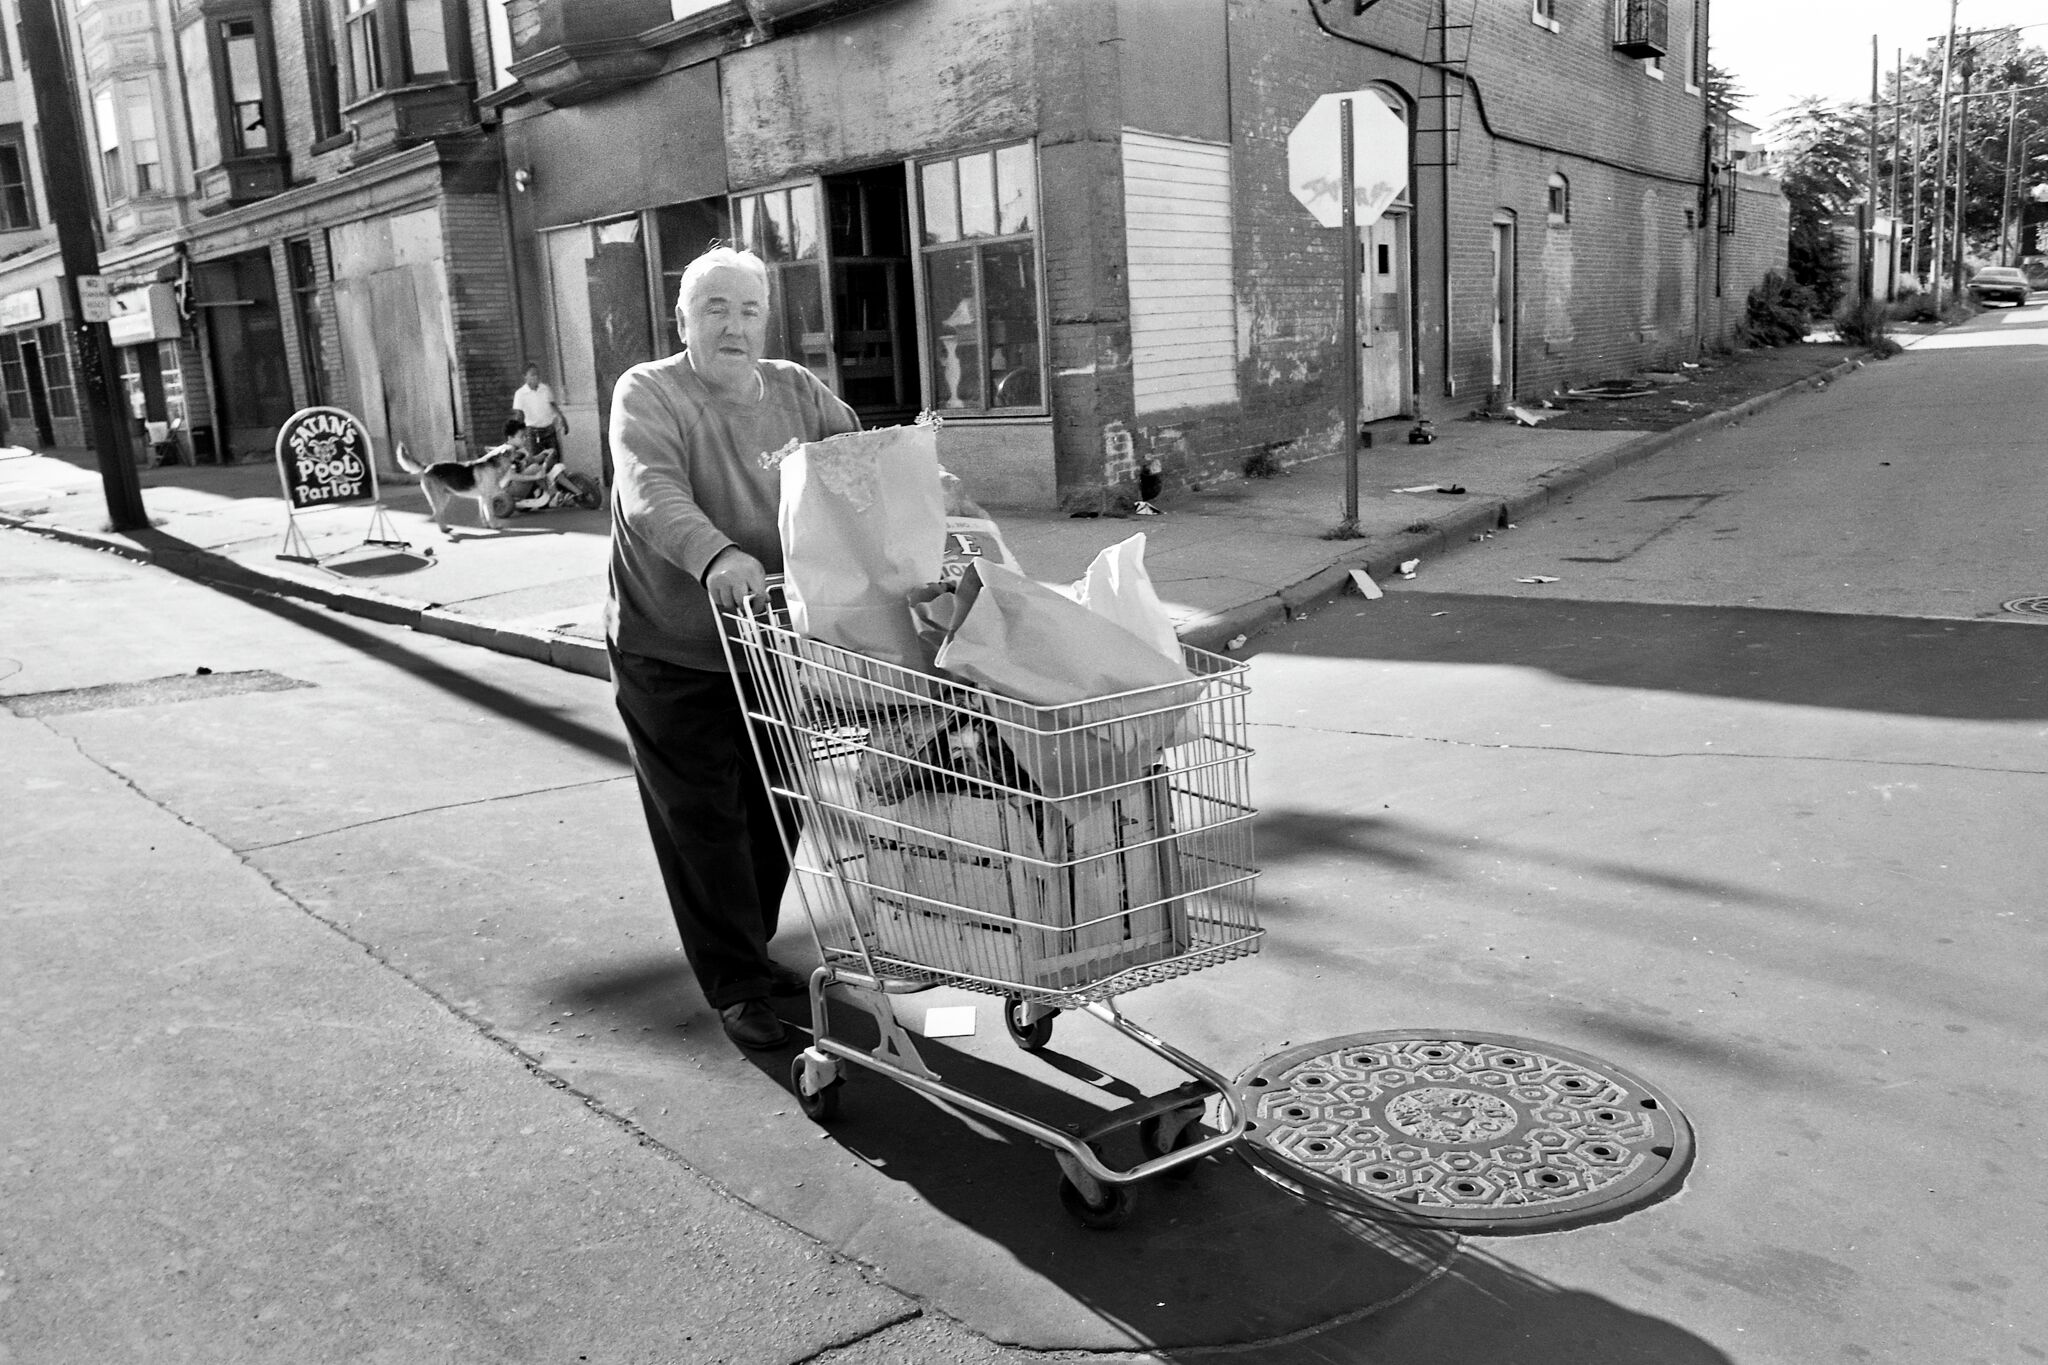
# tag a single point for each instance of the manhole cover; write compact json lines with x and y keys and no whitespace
{"x":1475,"y":1132}
{"x":2028,"y":606}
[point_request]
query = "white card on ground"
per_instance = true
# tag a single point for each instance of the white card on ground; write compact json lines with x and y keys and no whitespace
{"x":949,"y":1021}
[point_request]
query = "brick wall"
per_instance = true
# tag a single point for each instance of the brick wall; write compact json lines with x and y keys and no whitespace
{"x":1737,"y":261}
{"x":1615,"y":288}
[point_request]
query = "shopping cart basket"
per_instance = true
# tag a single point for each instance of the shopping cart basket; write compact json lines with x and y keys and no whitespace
{"x":1056,"y":857}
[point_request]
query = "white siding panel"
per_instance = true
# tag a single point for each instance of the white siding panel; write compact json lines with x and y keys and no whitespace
{"x":1181,"y":263}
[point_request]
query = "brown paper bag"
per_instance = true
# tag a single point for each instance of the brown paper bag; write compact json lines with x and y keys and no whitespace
{"x":1100,"y":702}
{"x":863,"y":522}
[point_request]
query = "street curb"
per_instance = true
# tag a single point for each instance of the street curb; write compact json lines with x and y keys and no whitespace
{"x":1214,"y":631}
{"x":564,"y":652}
{"x":1383,"y":558}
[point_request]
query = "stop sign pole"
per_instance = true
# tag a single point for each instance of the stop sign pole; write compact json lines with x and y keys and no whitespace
{"x":1347,"y":413}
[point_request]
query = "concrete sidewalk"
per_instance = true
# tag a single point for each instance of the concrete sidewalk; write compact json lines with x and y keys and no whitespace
{"x":1230,"y":560}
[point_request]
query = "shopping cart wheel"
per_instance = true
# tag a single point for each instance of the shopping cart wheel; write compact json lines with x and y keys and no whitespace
{"x":1169,"y":1132}
{"x":821,"y":1106}
{"x":1029,"y":1036}
{"x":1113,"y":1212}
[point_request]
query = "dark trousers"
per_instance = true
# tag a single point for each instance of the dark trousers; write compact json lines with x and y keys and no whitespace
{"x":710,"y":817}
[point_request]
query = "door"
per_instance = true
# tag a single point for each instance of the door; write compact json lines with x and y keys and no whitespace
{"x":1383,"y":332}
{"x":38,"y":396}
{"x":1504,"y":304}
{"x":875,"y":331}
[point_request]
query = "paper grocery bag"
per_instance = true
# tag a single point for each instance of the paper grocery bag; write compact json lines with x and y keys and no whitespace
{"x":1118,"y":588}
{"x":1101,"y":703}
{"x":863,"y":522}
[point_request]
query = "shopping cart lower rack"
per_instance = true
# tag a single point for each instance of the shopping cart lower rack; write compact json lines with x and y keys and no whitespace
{"x":1056,"y":857}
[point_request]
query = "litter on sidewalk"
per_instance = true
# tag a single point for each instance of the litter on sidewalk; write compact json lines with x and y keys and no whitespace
{"x":1367,"y":589}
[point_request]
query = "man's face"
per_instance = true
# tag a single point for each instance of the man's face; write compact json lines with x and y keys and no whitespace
{"x":725,"y":324}
{"x":533,"y":376}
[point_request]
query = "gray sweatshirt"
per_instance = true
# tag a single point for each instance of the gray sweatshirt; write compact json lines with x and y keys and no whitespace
{"x":687,"y":481}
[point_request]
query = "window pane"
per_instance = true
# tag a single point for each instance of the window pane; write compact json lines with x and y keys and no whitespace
{"x":748,"y":237}
{"x":978,"y":195}
{"x":103,"y":119}
{"x":803,"y":318}
{"x":426,"y":37}
{"x":803,"y":222}
{"x":941,"y":204}
{"x":775,"y":226}
{"x":143,"y":156}
{"x":199,"y":97}
{"x":1009,"y":288}
{"x":956,"y":330}
{"x":14,"y":201}
{"x":245,"y":84}
{"x":365,"y":58}
{"x":1016,"y":190}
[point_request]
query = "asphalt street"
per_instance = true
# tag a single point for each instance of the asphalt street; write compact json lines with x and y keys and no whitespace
{"x":353,"y":1028}
{"x":1746,"y":800}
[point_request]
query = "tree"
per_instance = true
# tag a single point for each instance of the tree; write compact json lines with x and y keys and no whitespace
{"x":1821,"y":153}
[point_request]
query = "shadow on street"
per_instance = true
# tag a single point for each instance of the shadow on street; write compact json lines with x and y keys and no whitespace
{"x":1956,"y":670}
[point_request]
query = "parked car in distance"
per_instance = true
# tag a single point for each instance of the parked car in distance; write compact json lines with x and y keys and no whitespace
{"x":2002,"y":283}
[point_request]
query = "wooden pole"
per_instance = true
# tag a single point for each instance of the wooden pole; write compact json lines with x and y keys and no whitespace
{"x":69,"y":192}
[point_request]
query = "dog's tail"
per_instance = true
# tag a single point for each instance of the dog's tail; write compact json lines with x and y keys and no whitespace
{"x":405,"y":461}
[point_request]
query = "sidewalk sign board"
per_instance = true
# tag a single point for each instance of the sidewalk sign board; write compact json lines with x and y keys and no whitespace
{"x":324,"y":459}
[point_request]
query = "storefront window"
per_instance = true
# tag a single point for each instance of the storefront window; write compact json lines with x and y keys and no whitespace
{"x":57,"y":371}
{"x":979,"y":217}
{"x":782,"y":227}
{"x":14,"y":381}
{"x":173,"y":381}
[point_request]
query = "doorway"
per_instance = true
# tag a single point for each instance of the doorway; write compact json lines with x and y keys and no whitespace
{"x":873,"y":316}
{"x":245,"y":333}
{"x":38,"y":396}
{"x":1384,"y":368}
{"x":1504,"y":307}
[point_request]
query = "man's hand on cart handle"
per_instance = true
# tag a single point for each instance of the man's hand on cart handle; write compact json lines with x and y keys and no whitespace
{"x":733,"y":578}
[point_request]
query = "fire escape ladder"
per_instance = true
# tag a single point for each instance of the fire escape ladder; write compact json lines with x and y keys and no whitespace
{"x":1446,"y":45}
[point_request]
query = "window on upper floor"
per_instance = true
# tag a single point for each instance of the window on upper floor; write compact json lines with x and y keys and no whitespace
{"x":17,"y":200}
{"x":231,"y":83}
{"x":108,"y":125}
{"x":1696,"y":49}
{"x":6,"y":57}
{"x":1560,"y":200}
{"x":401,"y":42}
{"x":1642,"y":28}
{"x":145,"y":155}
{"x":1543,"y":14}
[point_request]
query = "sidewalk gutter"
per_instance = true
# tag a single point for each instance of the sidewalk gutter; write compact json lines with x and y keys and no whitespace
{"x":1382,"y":556}
{"x":1216,"y":631}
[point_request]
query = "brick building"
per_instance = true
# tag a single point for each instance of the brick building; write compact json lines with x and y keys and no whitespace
{"x":1067,"y":226}
{"x":300,"y":204}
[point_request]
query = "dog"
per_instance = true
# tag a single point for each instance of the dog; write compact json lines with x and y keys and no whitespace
{"x":481,"y":480}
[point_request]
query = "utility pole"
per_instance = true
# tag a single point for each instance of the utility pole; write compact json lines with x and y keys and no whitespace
{"x":1898,"y":146}
{"x":1913,"y":185}
{"x":69,"y":191}
{"x":2006,"y":232}
{"x":1969,"y":65}
{"x":1870,"y":188}
{"x":1937,"y":274}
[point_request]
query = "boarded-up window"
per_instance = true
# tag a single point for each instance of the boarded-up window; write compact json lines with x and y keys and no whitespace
{"x":1183,"y":309}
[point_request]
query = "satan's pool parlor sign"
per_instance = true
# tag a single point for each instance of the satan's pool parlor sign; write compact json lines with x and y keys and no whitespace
{"x":323,"y":456}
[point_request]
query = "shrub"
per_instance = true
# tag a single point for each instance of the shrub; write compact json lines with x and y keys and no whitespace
{"x":1779,"y":312}
{"x":1862,"y":323}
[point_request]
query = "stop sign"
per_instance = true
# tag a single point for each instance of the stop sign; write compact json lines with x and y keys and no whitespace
{"x":1379,"y":158}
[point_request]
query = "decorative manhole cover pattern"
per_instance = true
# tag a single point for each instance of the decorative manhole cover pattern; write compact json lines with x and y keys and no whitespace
{"x":2028,"y":606}
{"x":1476,"y":1132}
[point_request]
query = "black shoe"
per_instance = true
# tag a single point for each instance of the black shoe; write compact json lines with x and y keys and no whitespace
{"x":752,"y":1024}
{"x":787,"y":981}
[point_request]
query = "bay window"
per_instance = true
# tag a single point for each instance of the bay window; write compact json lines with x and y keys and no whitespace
{"x":979,"y":238}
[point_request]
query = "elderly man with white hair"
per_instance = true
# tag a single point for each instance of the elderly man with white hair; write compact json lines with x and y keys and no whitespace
{"x":694,"y":530}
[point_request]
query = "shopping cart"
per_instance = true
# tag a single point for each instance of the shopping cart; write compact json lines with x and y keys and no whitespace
{"x":1056,"y":857}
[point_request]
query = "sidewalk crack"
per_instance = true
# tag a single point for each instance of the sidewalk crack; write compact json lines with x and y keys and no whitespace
{"x":430,"y":810}
{"x":1653,"y":754}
